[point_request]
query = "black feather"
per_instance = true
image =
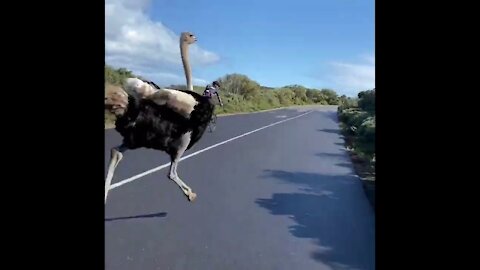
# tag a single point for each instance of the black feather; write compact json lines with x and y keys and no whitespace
{"x":147,"y":124}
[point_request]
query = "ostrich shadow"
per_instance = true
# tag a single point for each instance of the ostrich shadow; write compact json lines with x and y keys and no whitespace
{"x":153,"y":215}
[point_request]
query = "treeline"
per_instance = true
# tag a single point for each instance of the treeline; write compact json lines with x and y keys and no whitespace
{"x":242,"y":94}
{"x":357,"y":117}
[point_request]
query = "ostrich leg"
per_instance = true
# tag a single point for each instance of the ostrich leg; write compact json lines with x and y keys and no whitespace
{"x":172,"y":175}
{"x":115,"y":158}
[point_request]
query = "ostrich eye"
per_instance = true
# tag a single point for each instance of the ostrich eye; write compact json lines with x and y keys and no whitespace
{"x":191,"y":35}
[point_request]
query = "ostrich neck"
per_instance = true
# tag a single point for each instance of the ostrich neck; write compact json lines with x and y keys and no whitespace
{"x":186,"y":65}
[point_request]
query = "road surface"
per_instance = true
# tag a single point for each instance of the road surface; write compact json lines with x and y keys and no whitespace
{"x":281,"y":197}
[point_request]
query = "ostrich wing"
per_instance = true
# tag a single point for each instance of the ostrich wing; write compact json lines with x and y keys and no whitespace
{"x":181,"y":102}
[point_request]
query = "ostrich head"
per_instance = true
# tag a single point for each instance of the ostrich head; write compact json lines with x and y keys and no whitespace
{"x":188,"y":38}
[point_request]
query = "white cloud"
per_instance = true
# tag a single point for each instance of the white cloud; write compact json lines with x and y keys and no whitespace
{"x":147,"y":47}
{"x":352,"y":78}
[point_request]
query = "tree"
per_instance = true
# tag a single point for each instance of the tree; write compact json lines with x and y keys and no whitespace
{"x":117,"y":76}
{"x":367,"y":100}
{"x":330,"y":96}
{"x":240,"y":84}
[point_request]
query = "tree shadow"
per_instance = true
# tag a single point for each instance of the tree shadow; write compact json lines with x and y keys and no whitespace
{"x":368,"y":185}
{"x":332,"y":155}
{"x":154,"y":215}
{"x":327,"y":130}
{"x":345,"y":164}
{"x":333,"y":213}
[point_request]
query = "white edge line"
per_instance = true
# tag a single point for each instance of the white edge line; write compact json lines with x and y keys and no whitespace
{"x":135,"y":177}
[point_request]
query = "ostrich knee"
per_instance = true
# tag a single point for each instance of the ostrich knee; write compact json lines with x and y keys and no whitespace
{"x":117,"y":156}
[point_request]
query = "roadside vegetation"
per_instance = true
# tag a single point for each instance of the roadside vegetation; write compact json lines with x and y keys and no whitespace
{"x":239,"y":94}
{"x":357,"y":120}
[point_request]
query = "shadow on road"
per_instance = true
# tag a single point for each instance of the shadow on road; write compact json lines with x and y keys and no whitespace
{"x":154,"y":215}
{"x":332,"y":155}
{"x":328,"y":213}
{"x":334,"y":131}
{"x":368,"y":185}
{"x":346,"y":165}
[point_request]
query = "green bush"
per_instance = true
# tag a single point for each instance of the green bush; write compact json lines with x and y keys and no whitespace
{"x":353,"y":117}
{"x":116,"y":76}
{"x":358,"y":121}
{"x":367,"y":100}
{"x":366,"y":136}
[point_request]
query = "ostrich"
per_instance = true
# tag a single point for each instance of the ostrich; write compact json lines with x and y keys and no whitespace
{"x":163,"y":119}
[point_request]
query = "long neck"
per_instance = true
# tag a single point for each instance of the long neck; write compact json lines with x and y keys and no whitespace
{"x":186,"y":65}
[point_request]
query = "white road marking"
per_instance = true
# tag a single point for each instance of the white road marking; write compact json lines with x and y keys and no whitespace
{"x":135,"y":177}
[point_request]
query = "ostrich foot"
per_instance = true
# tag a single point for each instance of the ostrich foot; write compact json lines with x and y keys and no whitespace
{"x":192,"y":196}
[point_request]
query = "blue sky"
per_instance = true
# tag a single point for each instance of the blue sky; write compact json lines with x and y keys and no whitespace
{"x":319,"y":44}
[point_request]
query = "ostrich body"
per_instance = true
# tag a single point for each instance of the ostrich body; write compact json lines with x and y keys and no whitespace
{"x":163,"y":119}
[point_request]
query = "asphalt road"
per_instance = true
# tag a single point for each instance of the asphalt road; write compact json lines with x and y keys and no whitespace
{"x":284,"y":197}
